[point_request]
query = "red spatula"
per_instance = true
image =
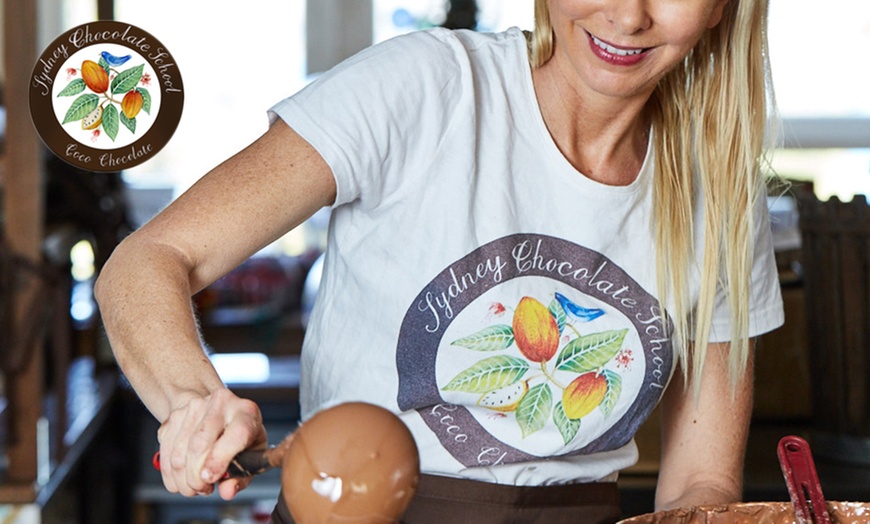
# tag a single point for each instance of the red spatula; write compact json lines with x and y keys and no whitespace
{"x":804,"y":488}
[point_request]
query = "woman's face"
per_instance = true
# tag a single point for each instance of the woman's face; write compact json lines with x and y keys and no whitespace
{"x":622,"y":48}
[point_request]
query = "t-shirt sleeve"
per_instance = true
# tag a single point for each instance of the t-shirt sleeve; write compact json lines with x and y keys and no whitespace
{"x":379,"y":111}
{"x":765,"y":298}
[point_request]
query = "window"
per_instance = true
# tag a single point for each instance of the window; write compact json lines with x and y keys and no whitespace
{"x":822,"y":83}
{"x":236,"y":60}
{"x":819,"y":57}
{"x":394,"y":17}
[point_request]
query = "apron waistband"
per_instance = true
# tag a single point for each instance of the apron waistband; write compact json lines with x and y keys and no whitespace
{"x":472,"y":491}
{"x":452,"y":500}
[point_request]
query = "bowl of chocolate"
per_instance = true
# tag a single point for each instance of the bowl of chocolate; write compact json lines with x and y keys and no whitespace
{"x":753,"y":513}
{"x":354,"y":462}
{"x":807,"y":506}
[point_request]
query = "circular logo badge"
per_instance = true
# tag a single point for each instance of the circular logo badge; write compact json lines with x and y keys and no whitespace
{"x":106,"y":96}
{"x":533,"y":346}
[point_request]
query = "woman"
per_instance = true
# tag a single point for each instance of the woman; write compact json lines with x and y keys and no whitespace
{"x":527,"y":242}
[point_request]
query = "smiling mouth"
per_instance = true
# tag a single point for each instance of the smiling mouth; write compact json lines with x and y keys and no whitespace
{"x":614,"y":50}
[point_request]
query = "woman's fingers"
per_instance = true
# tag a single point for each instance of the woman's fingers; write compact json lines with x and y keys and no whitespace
{"x":165,"y":436}
{"x":201,"y":438}
{"x":175,"y":435}
{"x":247,"y":423}
{"x":243,"y":429}
{"x":201,"y":441}
{"x":229,"y":488}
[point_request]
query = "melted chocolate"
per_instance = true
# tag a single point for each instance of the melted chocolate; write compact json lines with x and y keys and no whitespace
{"x":753,"y":513}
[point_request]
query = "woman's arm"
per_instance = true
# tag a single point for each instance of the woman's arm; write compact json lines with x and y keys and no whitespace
{"x":144,"y":292}
{"x":704,"y":442}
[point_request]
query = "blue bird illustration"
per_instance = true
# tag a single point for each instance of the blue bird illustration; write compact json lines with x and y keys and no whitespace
{"x":113,"y":60}
{"x":580,"y":313}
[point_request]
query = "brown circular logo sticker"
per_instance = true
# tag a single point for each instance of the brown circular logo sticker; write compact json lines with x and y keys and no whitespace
{"x":106,"y":96}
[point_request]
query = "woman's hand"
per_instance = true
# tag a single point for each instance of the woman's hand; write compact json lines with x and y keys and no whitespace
{"x":200,"y":438}
{"x":704,"y":442}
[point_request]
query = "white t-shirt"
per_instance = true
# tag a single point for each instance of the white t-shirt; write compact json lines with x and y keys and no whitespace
{"x":475,"y":282}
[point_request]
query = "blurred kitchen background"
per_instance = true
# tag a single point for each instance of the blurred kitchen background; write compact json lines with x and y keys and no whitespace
{"x":75,"y":444}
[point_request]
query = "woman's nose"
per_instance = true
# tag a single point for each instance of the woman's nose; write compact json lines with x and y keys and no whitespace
{"x":629,"y":16}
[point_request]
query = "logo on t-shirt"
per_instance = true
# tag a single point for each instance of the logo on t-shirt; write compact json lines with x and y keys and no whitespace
{"x":533,"y":347}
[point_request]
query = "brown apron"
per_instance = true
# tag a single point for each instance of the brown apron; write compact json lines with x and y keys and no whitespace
{"x":449,"y":500}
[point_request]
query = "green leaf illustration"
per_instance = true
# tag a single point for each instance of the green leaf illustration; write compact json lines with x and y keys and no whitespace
{"x":105,"y":65}
{"x":73,"y":88}
{"x":558,"y":313}
{"x":489,"y":374}
{"x":534,"y":409}
{"x":146,"y":99}
{"x":614,"y":389}
{"x":110,"y":121}
{"x":80,"y":107}
{"x":127,"y":80}
{"x":591,"y":351}
{"x":567,"y":427}
{"x":493,"y":338}
{"x":129,"y":123}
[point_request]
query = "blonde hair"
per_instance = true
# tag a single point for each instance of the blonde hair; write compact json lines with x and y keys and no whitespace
{"x":541,"y":42}
{"x":718,"y":98}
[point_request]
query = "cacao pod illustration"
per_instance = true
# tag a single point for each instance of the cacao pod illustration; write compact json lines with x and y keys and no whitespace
{"x":95,"y":76}
{"x":584,"y":394}
{"x":93,"y":119}
{"x":132,"y":104}
{"x":535,"y":330}
{"x":505,"y":399}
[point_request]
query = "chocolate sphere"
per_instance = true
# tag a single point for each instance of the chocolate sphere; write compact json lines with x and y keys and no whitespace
{"x":355,"y":462}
